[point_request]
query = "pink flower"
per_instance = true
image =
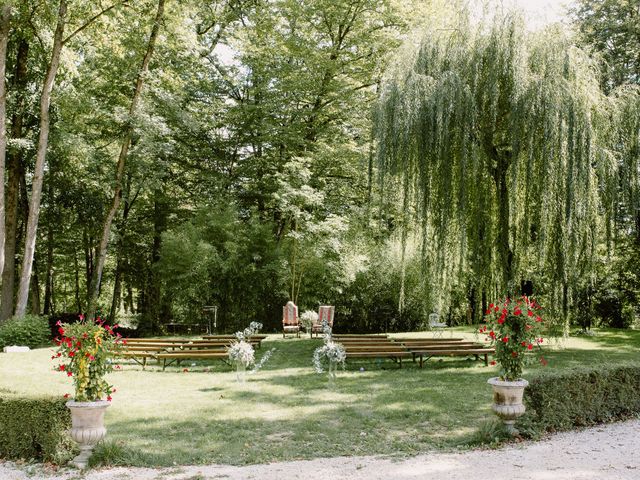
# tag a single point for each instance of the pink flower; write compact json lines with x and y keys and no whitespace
{"x":81,"y":316}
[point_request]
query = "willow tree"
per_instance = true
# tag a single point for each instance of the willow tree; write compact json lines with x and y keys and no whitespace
{"x":500,"y":138}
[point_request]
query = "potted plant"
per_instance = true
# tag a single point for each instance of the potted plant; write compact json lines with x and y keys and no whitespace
{"x":84,"y":352}
{"x":308,"y":319}
{"x":330,"y":352}
{"x":241,"y":351}
{"x":514,"y":327}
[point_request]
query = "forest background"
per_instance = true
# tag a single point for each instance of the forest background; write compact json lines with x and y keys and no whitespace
{"x":166,"y":155}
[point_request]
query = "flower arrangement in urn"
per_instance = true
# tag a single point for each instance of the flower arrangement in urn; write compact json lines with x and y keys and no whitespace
{"x":514,"y":327}
{"x":84,"y":352}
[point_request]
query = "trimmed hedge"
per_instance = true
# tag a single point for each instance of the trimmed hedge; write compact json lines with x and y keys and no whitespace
{"x":30,"y":330}
{"x":581,"y":397}
{"x":34,"y":428}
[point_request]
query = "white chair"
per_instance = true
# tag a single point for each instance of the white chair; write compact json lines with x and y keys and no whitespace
{"x":435,"y":325}
{"x":290,"y":320}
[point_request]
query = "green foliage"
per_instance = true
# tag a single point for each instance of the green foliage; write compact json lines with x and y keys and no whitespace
{"x":34,"y":428}
{"x":217,"y":259}
{"x":31,"y":331}
{"x":561,"y":400}
{"x":505,"y":147}
{"x":611,"y":28}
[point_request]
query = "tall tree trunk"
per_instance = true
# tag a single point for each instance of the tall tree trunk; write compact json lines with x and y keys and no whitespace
{"x":35,"y":289}
{"x":13,"y":185}
{"x":5,"y":20}
{"x":124,"y":148}
{"x":153,"y":298}
{"x":117,"y":282}
{"x":48,"y":287}
{"x":41,"y":152}
{"x":77,"y":279}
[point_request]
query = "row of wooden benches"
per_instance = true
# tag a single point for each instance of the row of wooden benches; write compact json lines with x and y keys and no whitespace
{"x":171,"y":351}
{"x":422,"y":349}
{"x":175,"y":350}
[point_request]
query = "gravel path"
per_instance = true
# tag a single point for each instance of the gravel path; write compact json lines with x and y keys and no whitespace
{"x":608,"y":452}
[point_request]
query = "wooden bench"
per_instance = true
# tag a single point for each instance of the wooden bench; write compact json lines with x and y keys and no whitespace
{"x":140,"y":353}
{"x":427,"y":353}
{"x":176,"y":357}
{"x":368,"y":346}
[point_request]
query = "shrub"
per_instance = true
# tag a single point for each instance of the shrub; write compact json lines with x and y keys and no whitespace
{"x":30,"y":330}
{"x":35,"y":428}
{"x":580,"y":397}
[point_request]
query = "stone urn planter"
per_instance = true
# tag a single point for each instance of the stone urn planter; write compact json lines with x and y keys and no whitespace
{"x":87,"y":427}
{"x":507,"y":401}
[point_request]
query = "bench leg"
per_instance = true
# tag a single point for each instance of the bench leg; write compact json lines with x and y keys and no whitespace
{"x":486,"y":360}
{"x":400,"y":361}
{"x":421,"y":361}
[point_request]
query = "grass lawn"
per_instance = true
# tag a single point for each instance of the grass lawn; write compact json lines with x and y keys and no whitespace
{"x":286,"y":411}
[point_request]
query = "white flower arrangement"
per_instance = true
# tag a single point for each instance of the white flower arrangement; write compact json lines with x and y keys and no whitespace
{"x":241,"y":352}
{"x":331,"y":351}
{"x":308,"y":318}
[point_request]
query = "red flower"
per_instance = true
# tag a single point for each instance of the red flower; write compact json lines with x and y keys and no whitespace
{"x":514,"y":354}
{"x":487,"y":311}
{"x":505,"y":339}
{"x":491,"y":305}
{"x":62,"y":367}
{"x":58,"y":323}
{"x":113,"y":391}
{"x":529,"y":313}
{"x":61,"y":330}
{"x":69,"y":374}
{"x":538,"y":318}
{"x":517,"y":311}
{"x":530,"y":347}
{"x":72,"y":354}
{"x":501,"y":320}
{"x":66,"y":395}
{"x":492,"y":334}
{"x":109,"y":398}
{"x":493,"y":362}
{"x":185,"y":370}
{"x":524,"y":344}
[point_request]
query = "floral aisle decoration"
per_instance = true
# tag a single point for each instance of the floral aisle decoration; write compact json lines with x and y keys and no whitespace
{"x":241,"y":352}
{"x":330,"y":352}
{"x":308,"y":319}
{"x":85,"y":351}
{"x":515,"y":329}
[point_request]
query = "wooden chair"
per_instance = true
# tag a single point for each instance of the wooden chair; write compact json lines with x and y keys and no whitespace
{"x":325,"y":312}
{"x":290,"y":320}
